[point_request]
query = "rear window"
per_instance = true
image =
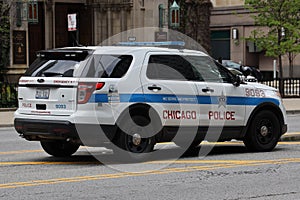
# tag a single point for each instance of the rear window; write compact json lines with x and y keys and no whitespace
{"x":56,"y":63}
{"x":107,"y":66}
{"x":50,"y":68}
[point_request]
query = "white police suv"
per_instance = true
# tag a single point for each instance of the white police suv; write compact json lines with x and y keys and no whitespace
{"x":133,"y":97}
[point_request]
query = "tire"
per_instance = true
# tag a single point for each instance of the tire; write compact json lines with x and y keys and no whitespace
{"x":59,"y":148}
{"x":134,"y":140}
{"x":263,"y":133}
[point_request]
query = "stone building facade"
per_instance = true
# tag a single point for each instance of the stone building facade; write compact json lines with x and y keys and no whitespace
{"x":96,"y":21}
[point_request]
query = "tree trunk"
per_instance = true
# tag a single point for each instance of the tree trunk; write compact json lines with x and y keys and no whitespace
{"x":196,"y":21}
{"x":291,"y":65}
{"x":281,"y":88}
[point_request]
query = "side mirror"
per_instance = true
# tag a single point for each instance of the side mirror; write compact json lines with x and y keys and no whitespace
{"x":237,"y":80}
{"x":245,"y":70}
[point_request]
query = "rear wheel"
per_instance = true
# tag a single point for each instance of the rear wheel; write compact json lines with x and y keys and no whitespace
{"x":135,"y":138}
{"x":59,"y":148}
{"x":135,"y":143}
{"x":263,"y":133}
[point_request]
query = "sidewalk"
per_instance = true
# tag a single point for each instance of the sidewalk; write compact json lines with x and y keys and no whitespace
{"x":292,"y":107}
{"x":6,"y":117}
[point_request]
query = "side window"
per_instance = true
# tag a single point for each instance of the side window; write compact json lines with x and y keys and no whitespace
{"x":169,"y":67}
{"x":226,"y":75}
{"x":107,"y":66}
{"x":208,"y":70}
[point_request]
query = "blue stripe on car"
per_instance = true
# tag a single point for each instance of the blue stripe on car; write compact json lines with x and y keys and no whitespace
{"x":183,"y":99}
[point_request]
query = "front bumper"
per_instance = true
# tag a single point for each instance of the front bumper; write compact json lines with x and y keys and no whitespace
{"x":284,"y":128}
{"x":84,"y":134}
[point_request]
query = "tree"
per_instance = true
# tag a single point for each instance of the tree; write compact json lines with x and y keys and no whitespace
{"x":279,"y":28}
{"x":4,"y":33}
{"x":195,"y":20}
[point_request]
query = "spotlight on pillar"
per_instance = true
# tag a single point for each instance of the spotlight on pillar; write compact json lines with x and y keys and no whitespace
{"x":235,"y":34}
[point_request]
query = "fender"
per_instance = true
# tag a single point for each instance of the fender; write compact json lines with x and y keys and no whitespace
{"x":144,"y":110}
{"x":265,"y":106}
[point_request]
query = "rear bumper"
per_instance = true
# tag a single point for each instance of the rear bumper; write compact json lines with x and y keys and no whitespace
{"x":84,"y":134}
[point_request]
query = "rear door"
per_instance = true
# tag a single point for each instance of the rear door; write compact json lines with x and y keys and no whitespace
{"x":167,"y":88}
{"x":47,"y":96}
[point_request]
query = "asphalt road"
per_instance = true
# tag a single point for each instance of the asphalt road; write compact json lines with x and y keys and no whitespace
{"x":227,"y":172}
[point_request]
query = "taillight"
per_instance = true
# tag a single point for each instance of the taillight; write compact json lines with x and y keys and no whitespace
{"x":85,"y":90}
{"x":99,"y":85}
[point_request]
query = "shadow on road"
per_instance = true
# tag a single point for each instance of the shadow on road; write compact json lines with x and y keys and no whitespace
{"x":108,"y":157}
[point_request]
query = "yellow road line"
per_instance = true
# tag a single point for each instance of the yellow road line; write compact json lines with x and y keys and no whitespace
{"x":231,"y":143}
{"x":165,"y":143}
{"x":289,"y":143}
{"x":50,"y":163}
{"x":230,"y":164}
{"x":106,"y":176}
{"x":20,"y":152}
{"x":237,"y":162}
{"x":27,"y":151}
{"x":292,"y":133}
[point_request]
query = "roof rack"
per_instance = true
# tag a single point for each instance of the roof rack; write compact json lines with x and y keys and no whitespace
{"x":169,"y":44}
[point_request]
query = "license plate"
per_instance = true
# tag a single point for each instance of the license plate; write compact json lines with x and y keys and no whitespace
{"x":42,"y":93}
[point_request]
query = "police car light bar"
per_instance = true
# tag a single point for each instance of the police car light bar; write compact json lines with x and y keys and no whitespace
{"x":154,"y":44}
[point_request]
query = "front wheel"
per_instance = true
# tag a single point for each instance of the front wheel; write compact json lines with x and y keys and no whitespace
{"x":59,"y":148}
{"x":263,"y":133}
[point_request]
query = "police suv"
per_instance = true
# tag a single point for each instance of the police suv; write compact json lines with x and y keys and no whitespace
{"x":132,"y":97}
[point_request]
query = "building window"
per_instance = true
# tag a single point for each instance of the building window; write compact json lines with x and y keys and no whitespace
{"x":161,"y":11}
{"x":142,"y":3}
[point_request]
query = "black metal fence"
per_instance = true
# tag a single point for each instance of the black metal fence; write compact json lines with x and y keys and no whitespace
{"x":8,"y":95}
{"x":288,"y":87}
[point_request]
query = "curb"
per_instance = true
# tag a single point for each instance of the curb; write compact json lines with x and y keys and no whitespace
{"x":288,"y":137}
{"x":7,"y":109}
{"x":293,"y":112}
{"x":6,"y":125}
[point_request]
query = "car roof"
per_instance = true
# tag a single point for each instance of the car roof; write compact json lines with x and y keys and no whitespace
{"x":132,"y":49}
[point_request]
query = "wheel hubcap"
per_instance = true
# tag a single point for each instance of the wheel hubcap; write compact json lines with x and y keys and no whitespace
{"x":264,"y":131}
{"x":136,"y":139}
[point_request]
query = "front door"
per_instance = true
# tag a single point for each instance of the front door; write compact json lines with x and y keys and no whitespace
{"x":221,"y":103}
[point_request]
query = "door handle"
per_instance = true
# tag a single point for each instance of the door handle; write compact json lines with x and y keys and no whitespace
{"x":207,"y":89}
{"x":154,"y":88}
